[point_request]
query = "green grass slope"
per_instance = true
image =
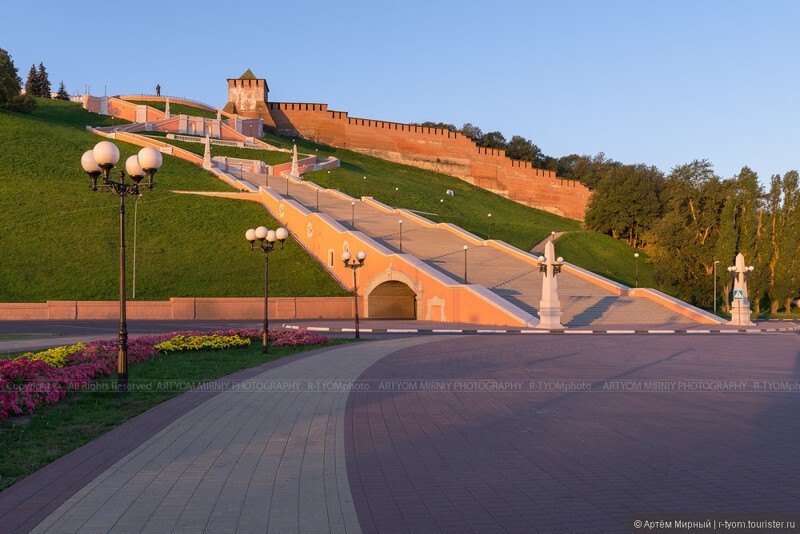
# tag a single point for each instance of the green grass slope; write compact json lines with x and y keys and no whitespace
{"x":521,"y":226}
{"x":60,"y":240}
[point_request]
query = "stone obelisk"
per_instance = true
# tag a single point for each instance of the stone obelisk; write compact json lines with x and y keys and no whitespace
{"x":550,"y":305}
{"x":740,"y":309}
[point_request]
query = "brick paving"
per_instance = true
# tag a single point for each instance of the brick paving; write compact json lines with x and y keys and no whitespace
{"x":522,"y":461}
{"x":248,"y":460}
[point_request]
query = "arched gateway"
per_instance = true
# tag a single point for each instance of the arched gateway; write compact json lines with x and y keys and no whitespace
{"x":391,"y":297}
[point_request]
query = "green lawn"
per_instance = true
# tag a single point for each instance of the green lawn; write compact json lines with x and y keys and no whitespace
{"x":606,"y":256}
{"x":61,"y":241}
{"x":29,"y":445}
{"x":511,"y":222}
{"x":179,"y":109}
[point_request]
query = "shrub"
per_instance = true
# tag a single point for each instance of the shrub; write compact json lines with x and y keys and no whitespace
{"x":21,"y":104}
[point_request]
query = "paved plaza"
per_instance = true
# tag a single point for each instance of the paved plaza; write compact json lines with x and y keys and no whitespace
{"x":510,"y":433}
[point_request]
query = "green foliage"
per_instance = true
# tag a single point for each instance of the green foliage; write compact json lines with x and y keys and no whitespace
{"x":523,"y":149}
{"x":589,"y":170}
{"x":38,"y":83}
{"x":430,"y":124}
{"x":492,"y":140}
{"x":625,"y":203}
{"x":684,"y":238}
{"x":608,"y":257}
{"x":9,"y":79}
{"x":32,"y":84}
{"x":62,"y":92}
{"x":44,"y":82}
{"x":60,"y":241}
{"x":24,"y":104}
{"x":784,"y":199}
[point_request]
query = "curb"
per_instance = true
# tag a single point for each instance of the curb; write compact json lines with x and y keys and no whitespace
{"x":792,"y":328}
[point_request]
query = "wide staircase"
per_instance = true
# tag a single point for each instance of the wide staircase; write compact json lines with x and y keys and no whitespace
{"x":509,"y":276}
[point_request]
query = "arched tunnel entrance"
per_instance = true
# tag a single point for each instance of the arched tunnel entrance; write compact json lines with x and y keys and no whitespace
{"x":392,"y":300}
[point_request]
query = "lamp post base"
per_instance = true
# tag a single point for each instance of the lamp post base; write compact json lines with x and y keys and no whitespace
{"x":550,"y":319}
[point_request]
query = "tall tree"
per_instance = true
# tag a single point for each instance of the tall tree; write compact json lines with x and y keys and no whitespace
{"x":62,"y":92}
{"x":523,"y":149}
{"x":785,"y":241}
{"x":44,"y":82}
{"x":684,"y":238}
{"x":471,"y":131}
{"x":738,"y":226}
{"x":625,"y":203}
{"x":9,"y":79}
{"x":32,"y":85}
{"x":492,"y":140}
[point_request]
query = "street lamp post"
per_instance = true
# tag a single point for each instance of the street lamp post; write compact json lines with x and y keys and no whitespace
{"x":135,"y":231}
{"x":465,"y":263}
{"x":353,"y":214}
{"x":489,"y":233}
{"x":266,"y":244}
{"x":636,"y":263}
{"x":355,"y":264}
{"x":99,"y":161}
{"x":317,"y":199}
{"x":401,"y":235}
{"x":715,"y":286}
{"x":441,"y":210}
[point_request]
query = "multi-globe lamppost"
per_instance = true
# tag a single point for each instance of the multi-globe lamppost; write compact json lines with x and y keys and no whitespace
{"x":355,"y":264}
{"x":99,"y":161}
{"x":266,"y":244}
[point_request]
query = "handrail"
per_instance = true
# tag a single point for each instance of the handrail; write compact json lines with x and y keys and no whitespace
{"x":133,"y":97}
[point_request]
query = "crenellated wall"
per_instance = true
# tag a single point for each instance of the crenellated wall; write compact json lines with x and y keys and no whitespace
{"x":435,"y":149}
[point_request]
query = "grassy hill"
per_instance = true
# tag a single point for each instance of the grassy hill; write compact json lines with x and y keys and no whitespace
{"x":59,"y":240}
{"x":522,"y":226}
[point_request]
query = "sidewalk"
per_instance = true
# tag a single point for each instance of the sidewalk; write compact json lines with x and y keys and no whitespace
{"x":249,"y":459}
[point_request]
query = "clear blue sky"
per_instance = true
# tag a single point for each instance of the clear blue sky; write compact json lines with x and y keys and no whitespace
{"x":660,"y":83}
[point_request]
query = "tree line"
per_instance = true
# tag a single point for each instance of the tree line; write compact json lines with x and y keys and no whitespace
{"x":37,"y":85}
{"x":687,"y":220}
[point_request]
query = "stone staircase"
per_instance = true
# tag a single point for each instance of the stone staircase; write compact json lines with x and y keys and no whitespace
{"x":508,"y":275}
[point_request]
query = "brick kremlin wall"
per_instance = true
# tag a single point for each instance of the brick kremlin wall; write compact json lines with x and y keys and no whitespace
{"x":435,"y":149}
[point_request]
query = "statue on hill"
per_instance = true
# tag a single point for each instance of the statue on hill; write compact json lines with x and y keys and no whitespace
{"x":158,"y":90}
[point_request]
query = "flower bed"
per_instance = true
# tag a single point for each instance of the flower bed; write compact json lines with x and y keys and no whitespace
{"x":183,"y":343}
{"x":46,"y":377}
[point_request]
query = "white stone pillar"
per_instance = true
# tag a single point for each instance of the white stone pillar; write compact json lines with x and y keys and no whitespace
{"x":166,"y":109}
{"x":550,"y":305}
{"x":740,"y":309}
{"x":295,"y":171}
{"x":207,"y":154}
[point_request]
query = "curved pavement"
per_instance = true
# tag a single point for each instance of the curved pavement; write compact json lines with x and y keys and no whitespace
{"x":502,"y":434}
{"x":246,"y":460}
{"x":462,"y":433}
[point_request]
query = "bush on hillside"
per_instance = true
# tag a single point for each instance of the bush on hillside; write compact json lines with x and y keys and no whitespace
{"x":21,"y":104}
